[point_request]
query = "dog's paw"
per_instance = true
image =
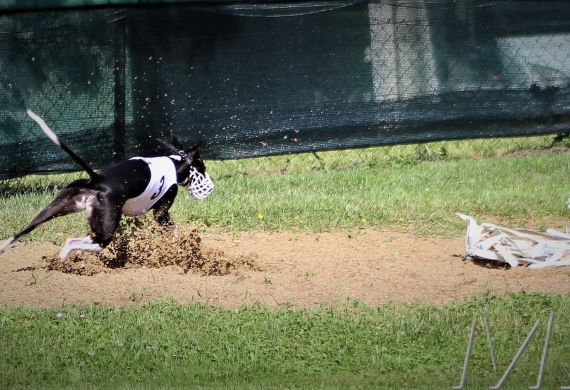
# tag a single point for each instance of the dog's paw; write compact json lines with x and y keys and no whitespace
{"x":7,"y":244}
{"x":79,"y":244}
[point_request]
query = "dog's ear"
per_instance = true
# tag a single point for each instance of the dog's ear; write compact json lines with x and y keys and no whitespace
{"x":176,"y":143}
{"x":196,"y":149}
{"x":194,"y":156}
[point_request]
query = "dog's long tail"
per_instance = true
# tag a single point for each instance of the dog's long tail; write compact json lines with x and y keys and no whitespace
{"x":58,"y":142}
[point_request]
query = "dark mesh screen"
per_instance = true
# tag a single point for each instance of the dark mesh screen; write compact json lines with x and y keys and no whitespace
{"x":274,"y":78}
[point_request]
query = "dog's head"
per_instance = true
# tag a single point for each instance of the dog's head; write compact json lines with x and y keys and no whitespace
{"x":190,"y":168}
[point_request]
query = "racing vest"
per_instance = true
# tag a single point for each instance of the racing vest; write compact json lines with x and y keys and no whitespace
{"x":162,"y":177}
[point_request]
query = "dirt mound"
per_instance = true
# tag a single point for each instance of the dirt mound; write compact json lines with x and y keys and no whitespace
{"x":142,"y":243}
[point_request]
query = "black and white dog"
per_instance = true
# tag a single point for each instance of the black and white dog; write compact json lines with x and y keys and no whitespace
{"x":131,"y":187}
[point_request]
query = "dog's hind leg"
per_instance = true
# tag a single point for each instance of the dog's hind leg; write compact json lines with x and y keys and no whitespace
{"x":103,"y":216}
{"x":71,"y":200}
{"x":79,"y":244}
{"x":103,"y":223}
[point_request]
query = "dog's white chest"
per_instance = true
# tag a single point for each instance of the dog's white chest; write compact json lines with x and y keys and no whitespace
{"x":162,"y":177}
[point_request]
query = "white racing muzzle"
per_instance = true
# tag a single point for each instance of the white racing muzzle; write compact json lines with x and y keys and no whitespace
{"x":200,"y":185}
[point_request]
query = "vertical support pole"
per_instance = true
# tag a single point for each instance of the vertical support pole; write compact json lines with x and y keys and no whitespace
{"x":517,"y":356}
{"x":544,"y":353}
{"x":119,"y":130}
{"x":467,"y":355}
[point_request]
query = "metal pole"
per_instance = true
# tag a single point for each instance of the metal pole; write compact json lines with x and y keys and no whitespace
{"x":119,"y":71}
{"x":466,"y":364}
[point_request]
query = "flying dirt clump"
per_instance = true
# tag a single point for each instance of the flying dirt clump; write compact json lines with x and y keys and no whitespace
{"x":141,"y":242}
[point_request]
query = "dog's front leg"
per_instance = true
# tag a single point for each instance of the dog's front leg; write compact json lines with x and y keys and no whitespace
{"x":161,"y":214}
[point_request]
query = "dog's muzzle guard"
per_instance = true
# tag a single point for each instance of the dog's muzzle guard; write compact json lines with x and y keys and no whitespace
{"x":199,"y":185}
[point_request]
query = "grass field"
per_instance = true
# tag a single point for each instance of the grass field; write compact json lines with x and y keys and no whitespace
{"x":528,"y":191}
{"x":167,"y":345}
{"x":346,"y":345}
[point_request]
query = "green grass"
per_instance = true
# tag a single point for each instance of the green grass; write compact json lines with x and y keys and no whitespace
{"x":384,"y":156}
{"x":168,"y":345}
{"x":529,"y":191}
{"x":526,"y":191}
{"x":347,"y":345}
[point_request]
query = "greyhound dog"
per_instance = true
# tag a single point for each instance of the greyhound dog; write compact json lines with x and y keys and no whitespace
{"x":131,"y":187}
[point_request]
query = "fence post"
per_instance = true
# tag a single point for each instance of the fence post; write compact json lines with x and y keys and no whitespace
{"x":119,"y":71}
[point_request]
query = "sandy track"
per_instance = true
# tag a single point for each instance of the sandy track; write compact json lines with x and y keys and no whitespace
{"x":297,"y":269}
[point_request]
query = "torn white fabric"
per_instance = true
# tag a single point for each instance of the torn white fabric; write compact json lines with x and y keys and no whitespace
{"x":516,"y":246}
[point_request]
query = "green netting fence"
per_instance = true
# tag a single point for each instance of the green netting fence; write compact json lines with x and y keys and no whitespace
{"x":284,"y":79}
